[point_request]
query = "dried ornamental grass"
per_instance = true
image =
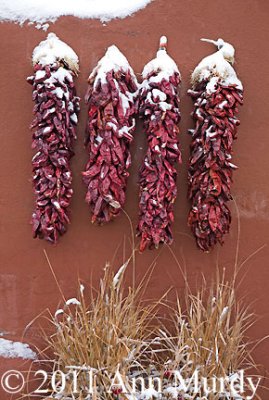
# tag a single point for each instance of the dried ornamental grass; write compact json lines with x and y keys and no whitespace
{"x":112,"y":330}
{"x":108,"y":332}
{"x":210,"y":337}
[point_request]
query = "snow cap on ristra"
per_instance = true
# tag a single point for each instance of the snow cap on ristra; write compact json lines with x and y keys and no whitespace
{"x":113,"y":60}
{"x":52,"y":50}
{"x":163,"y":65}
{"x":217,"y":65}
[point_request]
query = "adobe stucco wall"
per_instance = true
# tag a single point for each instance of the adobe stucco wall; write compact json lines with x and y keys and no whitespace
{"x":26,"y":283}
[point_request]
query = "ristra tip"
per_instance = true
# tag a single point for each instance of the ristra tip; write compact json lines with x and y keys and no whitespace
{"x":163,"y":43}
{"x":218,"y":43}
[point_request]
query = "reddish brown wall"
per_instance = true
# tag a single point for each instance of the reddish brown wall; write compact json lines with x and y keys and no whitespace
{"x":26,"y":283}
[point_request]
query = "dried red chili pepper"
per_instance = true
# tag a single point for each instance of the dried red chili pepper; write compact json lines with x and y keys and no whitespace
{"x":111,"y":97}
{"x":216,"y":92}
{"x":56,"y":108}
{"x":159,"y":108}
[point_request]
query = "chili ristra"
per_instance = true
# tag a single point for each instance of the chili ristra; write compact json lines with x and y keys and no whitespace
{"x":111,"y":97}
{"x":216,"y":92}
{"x":159,"y":109}
{"x":56,"y":109}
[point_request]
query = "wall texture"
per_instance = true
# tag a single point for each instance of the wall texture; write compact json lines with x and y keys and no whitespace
{"x":27,"y":286}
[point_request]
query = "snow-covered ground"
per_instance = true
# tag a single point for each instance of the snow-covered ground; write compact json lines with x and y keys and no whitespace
{"x":43,"y":11}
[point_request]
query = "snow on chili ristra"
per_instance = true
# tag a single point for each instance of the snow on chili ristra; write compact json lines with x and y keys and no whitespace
{"x":56,"y":109}
{"x":49,"y":10}
{"x":216,"y":92}
{"x":111,"y":99}
{"x":159,"y":108}
{"x":52,"y":50}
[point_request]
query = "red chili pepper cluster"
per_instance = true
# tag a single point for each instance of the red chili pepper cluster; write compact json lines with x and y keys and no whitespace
{"x":159,"y":108}
{"x":210,"y":168}
{"x":168,"y":374}
{"x":56,"y":108}
{"x":109,"y":132}
{"x":116,"y":391}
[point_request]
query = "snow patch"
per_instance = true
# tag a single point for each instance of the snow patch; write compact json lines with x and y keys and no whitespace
{"x":124,"y":102}
{"x":125,"y":131}
{"x":73,"y":301}
{"x":171,"y":392}
{"x":43,"y":11}
{"x":40,"y":75}
{"x":74,"y":118}
{"x":217,"y":66}
{"x":149,"y":394}
{"x":47,"y":129}
{"x":58,"y":312}
{"x":43,"y":27}
{"x":9,"y":349}
{"x":161,"y":68}
{"x":163,"y":65}
{"x":223,"y":104}
{"x":59,"y":92}
{"x":211,"y":87}
{"x":53,"y":49}
{"x":158,"y":93}
{"x":113,"y":60}
{"x":60,"y":75}
{"x":165,"y":106}
{"x":211,"y":134}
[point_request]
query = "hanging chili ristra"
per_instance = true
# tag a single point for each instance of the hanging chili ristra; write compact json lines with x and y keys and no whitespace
{"x":56,"y":108}
{"x":159,"y":108}
{"x":111,"y":99}
{"x":216,"y":91}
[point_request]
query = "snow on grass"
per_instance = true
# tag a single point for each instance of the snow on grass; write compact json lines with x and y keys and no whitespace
{"x":73,"y":301}
{"x":149,"y":394}
{"x":9,"y":349}
{"x":42,"y":11}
